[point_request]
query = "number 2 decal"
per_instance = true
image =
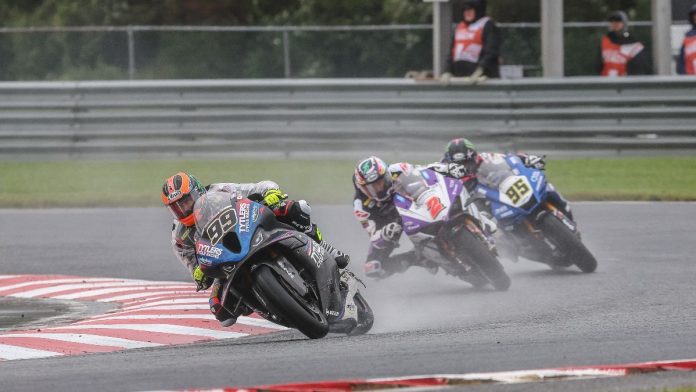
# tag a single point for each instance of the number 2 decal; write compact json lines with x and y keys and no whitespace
{"x":517,"y":191}
{"x":434,"y":206}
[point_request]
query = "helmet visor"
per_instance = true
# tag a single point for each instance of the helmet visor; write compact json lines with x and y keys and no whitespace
{"x":380,"y":189}
{"x":182,"y":208}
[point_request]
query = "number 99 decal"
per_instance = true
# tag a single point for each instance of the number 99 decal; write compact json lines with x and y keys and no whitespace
{"x":217,"y":228}
{"x":517,"y":191}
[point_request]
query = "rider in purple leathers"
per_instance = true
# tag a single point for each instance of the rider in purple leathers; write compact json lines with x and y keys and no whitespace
{"x":374,"y":208}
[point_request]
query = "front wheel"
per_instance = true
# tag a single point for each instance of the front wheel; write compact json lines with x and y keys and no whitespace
{"x":281,"y":300}
{"x":365,"y":316}
{"x":483,"y":259}
{"x":568,"y":242}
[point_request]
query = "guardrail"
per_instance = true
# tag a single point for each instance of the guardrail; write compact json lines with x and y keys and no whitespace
{"x":338,"y":116}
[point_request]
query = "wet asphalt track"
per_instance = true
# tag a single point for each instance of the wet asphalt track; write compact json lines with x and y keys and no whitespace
{"x":638,"y":306}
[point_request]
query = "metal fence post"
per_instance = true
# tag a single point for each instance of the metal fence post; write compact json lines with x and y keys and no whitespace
{"x":131,"y":53}
{"x":661,"y":36}
{"x":442,"y":35}
{"x":552,"y":38}
{"x":286,"y":53}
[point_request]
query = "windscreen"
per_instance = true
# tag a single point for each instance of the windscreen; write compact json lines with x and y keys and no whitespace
{"x":215,"y":215}
{"x":491,"y":174}
{"x":411,"y":185}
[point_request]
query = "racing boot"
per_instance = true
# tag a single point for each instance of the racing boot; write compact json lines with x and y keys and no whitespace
{"x":223,"y":315}
{"x":348,"y":320}
{"x":389,"y":265}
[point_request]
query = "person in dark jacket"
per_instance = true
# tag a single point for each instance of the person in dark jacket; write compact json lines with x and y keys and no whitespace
{"x":620,"y":54}
{"x":686,"y":63}
{"x":476,"y":44}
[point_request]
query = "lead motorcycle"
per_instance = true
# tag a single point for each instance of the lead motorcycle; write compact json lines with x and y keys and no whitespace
{"x":270,"y":267}
{"x":536,"y":226}
{"x":444,"y":224}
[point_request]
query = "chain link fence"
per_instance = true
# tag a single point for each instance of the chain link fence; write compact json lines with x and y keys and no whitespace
{"x":206,"y":52}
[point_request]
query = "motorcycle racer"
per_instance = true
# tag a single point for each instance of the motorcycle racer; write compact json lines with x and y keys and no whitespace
{"x":179,"y":194}
{"x":374,"y":209}
{"x":462,"y":160}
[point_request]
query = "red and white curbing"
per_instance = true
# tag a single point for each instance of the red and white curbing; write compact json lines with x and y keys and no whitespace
{"x":444,"y":380}
{"x":151,"y":314}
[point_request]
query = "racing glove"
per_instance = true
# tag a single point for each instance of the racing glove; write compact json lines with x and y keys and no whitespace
{"x":273,"y":197}
{"x":202,"y":281}
{"x":457,"y":170}
{"x":535,"y":161}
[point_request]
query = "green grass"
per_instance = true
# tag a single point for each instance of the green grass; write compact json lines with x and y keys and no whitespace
{"x":138,"y":183}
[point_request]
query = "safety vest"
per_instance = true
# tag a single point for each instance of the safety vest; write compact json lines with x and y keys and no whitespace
{"x":468,"y":41}
{"x":616,"y":57}
{"x":690,"y":55}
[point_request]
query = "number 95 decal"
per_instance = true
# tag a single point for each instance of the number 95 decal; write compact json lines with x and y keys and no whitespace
{"x":517,"y":191}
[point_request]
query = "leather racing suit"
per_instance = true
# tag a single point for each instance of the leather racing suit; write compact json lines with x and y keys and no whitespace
{"x":383,"y":224}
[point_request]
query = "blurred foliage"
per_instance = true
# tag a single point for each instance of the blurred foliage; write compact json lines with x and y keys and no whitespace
{"x":104,"y":55}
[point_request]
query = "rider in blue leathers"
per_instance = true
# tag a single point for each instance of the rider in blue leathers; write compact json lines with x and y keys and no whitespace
{"x":461,"y":160}
{"x":179,"y":194}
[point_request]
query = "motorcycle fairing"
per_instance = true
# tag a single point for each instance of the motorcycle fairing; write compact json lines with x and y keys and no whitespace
{"x":247,"y":220}
{"x":516,"y":196}
{"x":429,"y":206}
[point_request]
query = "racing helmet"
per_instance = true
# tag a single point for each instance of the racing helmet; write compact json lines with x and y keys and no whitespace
{"x":373,"y":178}
{"x":463,"y":152}
{"x":179,"y":193}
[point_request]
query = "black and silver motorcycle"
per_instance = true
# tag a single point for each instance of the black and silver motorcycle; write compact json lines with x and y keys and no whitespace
{"x":270,"y":267}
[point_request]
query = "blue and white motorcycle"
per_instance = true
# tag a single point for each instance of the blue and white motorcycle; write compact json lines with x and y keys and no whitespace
{"x":270,"y":267}
{"x":530,"y":218}
{"x":444,"y":224}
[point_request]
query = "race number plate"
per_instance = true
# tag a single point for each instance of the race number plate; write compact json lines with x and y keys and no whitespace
{"x":515,"y":191}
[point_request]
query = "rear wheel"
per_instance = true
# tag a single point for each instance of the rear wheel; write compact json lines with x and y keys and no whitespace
{"x":281,"y":300}
{"x":568,"y":242}
{"x":481,"y":257}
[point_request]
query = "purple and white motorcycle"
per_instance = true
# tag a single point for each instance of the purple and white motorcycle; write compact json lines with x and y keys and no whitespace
{"x":444,"y":224}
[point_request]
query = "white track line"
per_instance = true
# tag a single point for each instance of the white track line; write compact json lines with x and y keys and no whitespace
{"x":251,"y":321}
{"x":66,"y":287}
{"x":173,"y":301}
{"x":14,"y":352}
{"x":56,"y":281}
{"x":86,"y":339}
{"x":113,"y":290}
{"x":145,"y":294}
{"x":163,"y":328}
{"x":167,"y":307}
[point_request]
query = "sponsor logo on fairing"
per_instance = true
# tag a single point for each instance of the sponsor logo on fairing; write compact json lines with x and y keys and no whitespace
{"x":317,"y":255}
{"x":535,"y":176}
{"x":208,"y":251}
{"x":244,"y":217}
{"x":255,"y":213}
